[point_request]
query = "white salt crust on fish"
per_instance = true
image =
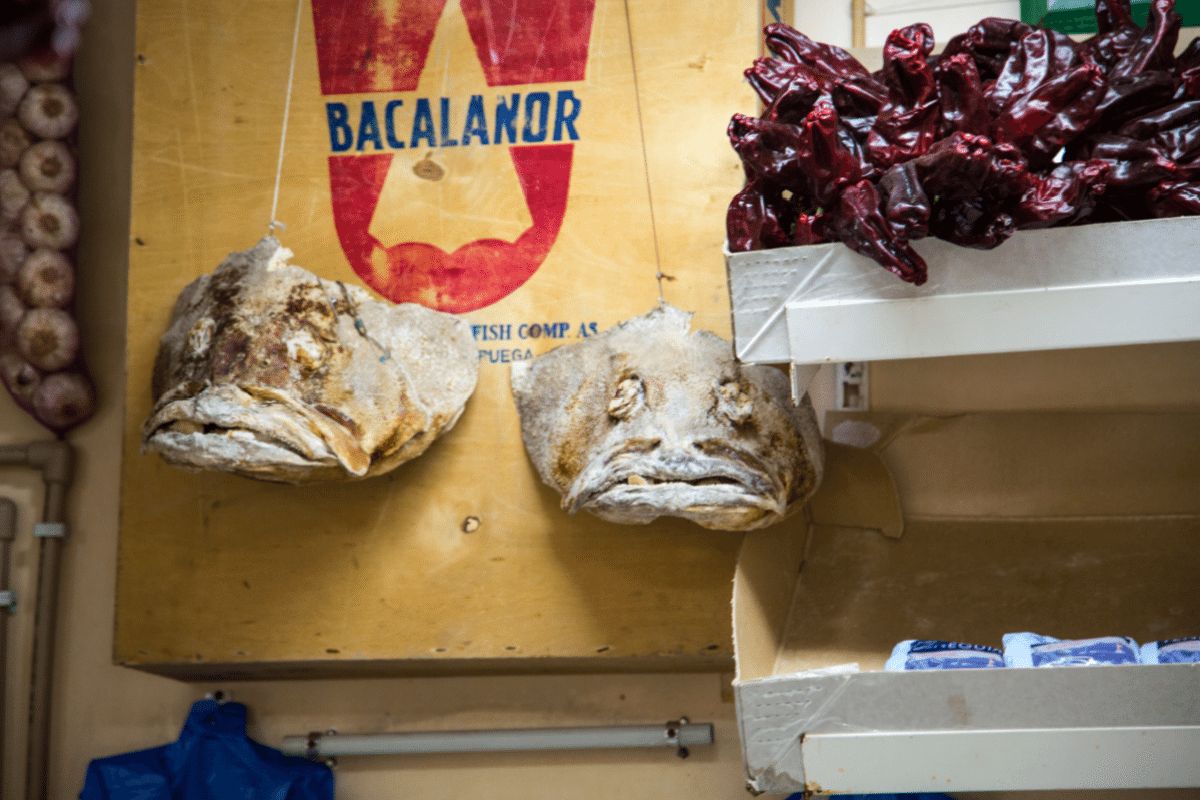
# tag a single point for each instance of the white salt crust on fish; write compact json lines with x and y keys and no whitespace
{"x":270,"y":372}
{"x":648,"y":420}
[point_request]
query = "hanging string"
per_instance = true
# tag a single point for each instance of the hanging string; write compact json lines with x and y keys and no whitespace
{"x":287,"y":107}
{"x":658,"y":274}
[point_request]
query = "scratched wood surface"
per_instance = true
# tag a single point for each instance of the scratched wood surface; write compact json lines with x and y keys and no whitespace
{"x":220,"y":575}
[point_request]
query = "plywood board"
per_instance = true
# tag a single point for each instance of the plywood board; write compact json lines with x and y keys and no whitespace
{"x":223,"y":575}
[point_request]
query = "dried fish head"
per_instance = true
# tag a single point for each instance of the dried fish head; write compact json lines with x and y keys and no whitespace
{"x":269,"y":372}
{"x":648,"y":420}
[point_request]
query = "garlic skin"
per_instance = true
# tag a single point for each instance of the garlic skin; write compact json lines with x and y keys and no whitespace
{"x":12,"y":311}
{"x":13,"y":252}
{"x":47,"y":166}
{"x":13,"y":85}
{"x":63,"y":400}
{"x":46,"y":280}
{"x":48,"y":338}
{"x":44,"y":67}
{"x":19,"y":377}
{"x":48,"y":111}
{"x":14,"y":141}
{"x":14,"y":195}
{"x":49,"y":220}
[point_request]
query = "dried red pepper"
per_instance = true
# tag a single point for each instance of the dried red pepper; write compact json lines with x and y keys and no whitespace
{"x":1049,"y":116}
{"x":1040,"y":57}
{"x":807,"y":159}
{"x":792,"y":45}
{"x":1175,"y":128}
{"x":1116,"y":33}
{"x":809,"y":229}
{"x":1132,"y":96}
{"x":1061,"y":197}
{"x":857,"y":222}
{"x":1155,"y":48}
{"x":960,"y":94}
{"x":1131,"y":163}
{"x":1174,"y":199}
{"x":966,"y":145}
{"x":759,"y":218}
{"x":971,"y":222}
{"x":971,"y":180}
{"x":989,"y":44}
{"x":905,"y":204}
{"x":908,"y":123}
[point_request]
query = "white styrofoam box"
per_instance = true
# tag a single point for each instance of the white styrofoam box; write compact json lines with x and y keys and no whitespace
{"x":1082,"y":286}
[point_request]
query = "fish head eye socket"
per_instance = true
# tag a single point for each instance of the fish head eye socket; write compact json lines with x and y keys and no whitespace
{"x":733,"y":401}
{"x":627,"y":398}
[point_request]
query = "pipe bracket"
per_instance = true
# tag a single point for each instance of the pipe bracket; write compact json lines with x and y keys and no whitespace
{"x":671,"y":732}
{"x":51,"y":530}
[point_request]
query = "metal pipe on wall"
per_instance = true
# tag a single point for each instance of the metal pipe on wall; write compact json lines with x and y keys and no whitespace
{"x":8,"y":532}
{"x":680,"y":734}
{"x":55,"y":460}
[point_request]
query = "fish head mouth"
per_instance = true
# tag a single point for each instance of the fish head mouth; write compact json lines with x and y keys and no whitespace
{"x":709,"y":482}
{"x":255,"y":431}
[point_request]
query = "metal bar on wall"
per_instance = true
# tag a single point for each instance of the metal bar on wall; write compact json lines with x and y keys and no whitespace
{"x":679,"y":734}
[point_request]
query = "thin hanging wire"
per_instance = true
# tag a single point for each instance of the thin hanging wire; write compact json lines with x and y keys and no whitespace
{"x":287,"y":107}
{"x":658,"y":273}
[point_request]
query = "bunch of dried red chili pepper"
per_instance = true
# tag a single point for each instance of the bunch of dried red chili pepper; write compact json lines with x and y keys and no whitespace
{"x":1011,"y":126}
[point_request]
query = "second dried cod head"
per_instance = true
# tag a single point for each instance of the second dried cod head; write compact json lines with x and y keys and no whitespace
{"x":648,"y":420}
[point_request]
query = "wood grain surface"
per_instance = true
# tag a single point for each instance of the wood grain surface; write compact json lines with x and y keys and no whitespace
{"x":460,"y":560}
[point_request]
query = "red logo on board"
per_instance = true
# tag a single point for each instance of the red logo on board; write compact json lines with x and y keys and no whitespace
{"x":374,"y":49}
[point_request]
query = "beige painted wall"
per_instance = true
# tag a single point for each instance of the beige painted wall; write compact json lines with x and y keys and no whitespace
{"x":102,"y":709}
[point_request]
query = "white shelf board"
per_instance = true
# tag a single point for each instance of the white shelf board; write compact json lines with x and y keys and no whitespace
{"x":998,"y":760}
{"x":1084,"y":286}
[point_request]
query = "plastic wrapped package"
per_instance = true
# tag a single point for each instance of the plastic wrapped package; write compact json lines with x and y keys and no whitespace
{"x":1033,"y":650}
{"x":212,"y":759}
{"x":1172,"y":651}
{"x":915,"y":654}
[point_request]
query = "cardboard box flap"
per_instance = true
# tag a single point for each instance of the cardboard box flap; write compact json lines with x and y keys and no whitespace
{"x":1035,"y":464}
{"x":773,"y":715}
{"x":856,"y":492}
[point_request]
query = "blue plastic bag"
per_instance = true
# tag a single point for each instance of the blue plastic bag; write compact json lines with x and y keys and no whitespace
{"x":213,"y":758}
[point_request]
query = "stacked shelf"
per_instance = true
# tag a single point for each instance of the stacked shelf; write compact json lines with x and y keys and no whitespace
{"x":1071,"y":523}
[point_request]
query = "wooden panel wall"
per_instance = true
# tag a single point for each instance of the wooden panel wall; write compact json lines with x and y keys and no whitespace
{"x":221,"y":575}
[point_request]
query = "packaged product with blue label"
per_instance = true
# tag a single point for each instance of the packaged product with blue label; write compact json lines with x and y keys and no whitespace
{"x":1033,"y":650}
{"x":933,"y":654}
{"x":1172,"y":651}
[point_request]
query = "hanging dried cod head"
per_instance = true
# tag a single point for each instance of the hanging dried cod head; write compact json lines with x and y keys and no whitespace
{"x":270,"y":372}
{"x":648,"y":420}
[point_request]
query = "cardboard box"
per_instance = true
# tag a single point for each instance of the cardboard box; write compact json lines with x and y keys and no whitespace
{"x":963,"y":528}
